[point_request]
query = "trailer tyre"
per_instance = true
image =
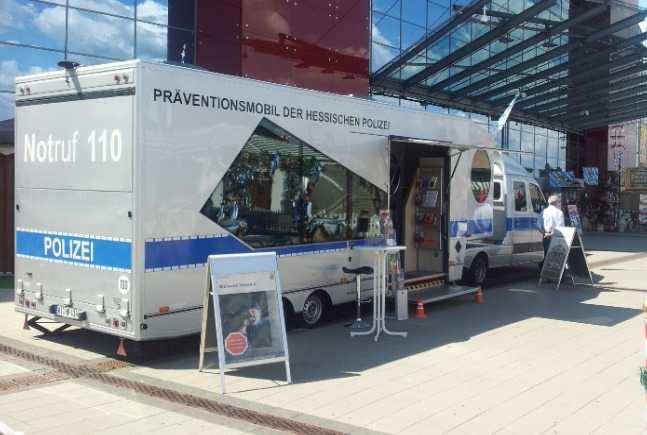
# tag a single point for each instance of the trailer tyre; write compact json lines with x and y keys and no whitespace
{"x":314,"y":310}
{"x":478,"y":270}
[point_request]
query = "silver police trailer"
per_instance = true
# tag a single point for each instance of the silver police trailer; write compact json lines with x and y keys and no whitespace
{"x":128,"y":175}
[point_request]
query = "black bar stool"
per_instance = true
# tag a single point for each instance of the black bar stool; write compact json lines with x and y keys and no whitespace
{"x":358,"y":272}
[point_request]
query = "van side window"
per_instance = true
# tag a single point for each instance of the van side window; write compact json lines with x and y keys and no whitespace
{"x":537,"y":198}
{"x":520,"y":200}
{"x":497,"y":191}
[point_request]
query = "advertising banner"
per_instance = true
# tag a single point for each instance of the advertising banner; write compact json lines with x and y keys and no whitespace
{"x":243,"y":304}
{"x":636,"y":179}
{"x":574,"y":216}
{"x":642,"y":209}
{"x":590,"y":175}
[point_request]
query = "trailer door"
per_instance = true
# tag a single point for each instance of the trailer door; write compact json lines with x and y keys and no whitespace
{"x":74,"y":202}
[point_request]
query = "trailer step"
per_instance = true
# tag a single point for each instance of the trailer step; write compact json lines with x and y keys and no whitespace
{"x":424,"y":284}
{"x":440,"y":293}
{"x":421,"y":280}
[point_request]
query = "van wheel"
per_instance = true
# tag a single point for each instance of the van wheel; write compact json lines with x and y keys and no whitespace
{"x":478,"y":270}
{"x":314,"y":310}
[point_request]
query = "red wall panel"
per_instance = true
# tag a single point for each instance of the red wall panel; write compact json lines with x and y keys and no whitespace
{"x":218,"y":36}
{"x":312,"y":44}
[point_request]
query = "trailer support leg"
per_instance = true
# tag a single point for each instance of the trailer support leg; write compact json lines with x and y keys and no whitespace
{"x":33,"y":322}
{"x":25,"y":324}
{"x":61,"y":328}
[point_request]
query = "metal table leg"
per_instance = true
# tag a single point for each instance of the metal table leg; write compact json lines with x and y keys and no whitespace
{"x":386,"y":331}
{"x":375,"y":325}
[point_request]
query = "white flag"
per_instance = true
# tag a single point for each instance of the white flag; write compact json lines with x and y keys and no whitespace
{"x":506,"y":113}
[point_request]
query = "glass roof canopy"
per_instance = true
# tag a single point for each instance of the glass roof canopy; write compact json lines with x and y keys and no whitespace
{"x":569,"y":71}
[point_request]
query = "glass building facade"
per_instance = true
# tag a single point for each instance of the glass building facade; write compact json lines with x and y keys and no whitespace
{"x":36,"y":34}
{"x":397,"y":24}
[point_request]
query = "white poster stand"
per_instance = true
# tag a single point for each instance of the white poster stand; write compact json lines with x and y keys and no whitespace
{"x":243,"y":313}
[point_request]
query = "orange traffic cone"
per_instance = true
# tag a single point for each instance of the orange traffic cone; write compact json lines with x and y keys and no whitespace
{"x":25,"y":325}
{"x":479,"y":296}
{"x":121,"y":349}
{"x":420,"y":310}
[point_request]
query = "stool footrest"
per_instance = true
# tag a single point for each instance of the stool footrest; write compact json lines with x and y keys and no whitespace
{"x":364,"y":270}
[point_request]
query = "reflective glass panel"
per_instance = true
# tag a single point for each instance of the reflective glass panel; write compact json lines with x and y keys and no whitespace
{"x":386,"y":30}
{"x":37,"y":24}
{"x":98,"y":34}
{"x":389,"y":7}
{"x":415,"y":11}
{"x":437,"y":13}
{"x":381,"y":54}
{"x":155,"y":11}
{"x":18,"y":61}
{"x":125,"y":8}
{"x":411,"y":34}
{"x":152,"y":41}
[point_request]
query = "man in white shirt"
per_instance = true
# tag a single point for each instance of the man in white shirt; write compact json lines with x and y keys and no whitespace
{"x":552,"y":217}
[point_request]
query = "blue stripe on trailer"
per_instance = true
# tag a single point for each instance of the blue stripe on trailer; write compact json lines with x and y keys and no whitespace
{"x":161,"y":254}
{"x":79,"y":250}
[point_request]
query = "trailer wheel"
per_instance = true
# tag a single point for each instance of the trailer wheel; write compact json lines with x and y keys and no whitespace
{"x":314,"y":310}
{"x":478,"y":270}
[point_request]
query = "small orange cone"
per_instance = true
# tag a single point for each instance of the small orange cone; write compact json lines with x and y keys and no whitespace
{"x":121,"y":349}
{"x":25,"y":325}
{"x":479,"y":296}
{"x":420,"y":310}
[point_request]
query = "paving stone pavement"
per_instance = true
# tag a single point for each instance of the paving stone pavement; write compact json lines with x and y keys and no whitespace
{"x":530,"y":360}
{"x":79,"y":407}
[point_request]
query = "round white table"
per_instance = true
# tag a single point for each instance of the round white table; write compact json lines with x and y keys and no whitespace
{"x":381,"y":253}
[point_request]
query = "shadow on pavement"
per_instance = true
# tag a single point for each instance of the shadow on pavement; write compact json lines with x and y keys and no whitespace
{"x":328,"y":352}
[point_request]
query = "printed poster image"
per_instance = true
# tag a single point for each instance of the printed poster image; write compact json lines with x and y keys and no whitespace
{"x":430,"y":199}
{"x":247,"y":313}
{"x":250,"y":318}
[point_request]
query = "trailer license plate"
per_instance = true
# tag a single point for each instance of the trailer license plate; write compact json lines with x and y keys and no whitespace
{"x":68,"y":312}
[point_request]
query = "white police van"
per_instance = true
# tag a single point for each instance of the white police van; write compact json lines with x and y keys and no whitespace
{"x":518,"y":202}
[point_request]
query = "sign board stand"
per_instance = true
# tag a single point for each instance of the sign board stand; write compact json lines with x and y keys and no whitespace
{"x":243,"y":317}
{"x":565,"y":250}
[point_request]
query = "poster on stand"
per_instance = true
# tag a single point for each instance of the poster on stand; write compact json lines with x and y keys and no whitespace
{"x":243,"y":315}
{"x":642,"y":209}
{"x":574,"y":216}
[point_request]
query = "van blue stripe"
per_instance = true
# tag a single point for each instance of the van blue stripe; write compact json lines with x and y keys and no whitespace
{"x":112,"y":254}
{"x":521,"y":223}
{"x":475,"y":227}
